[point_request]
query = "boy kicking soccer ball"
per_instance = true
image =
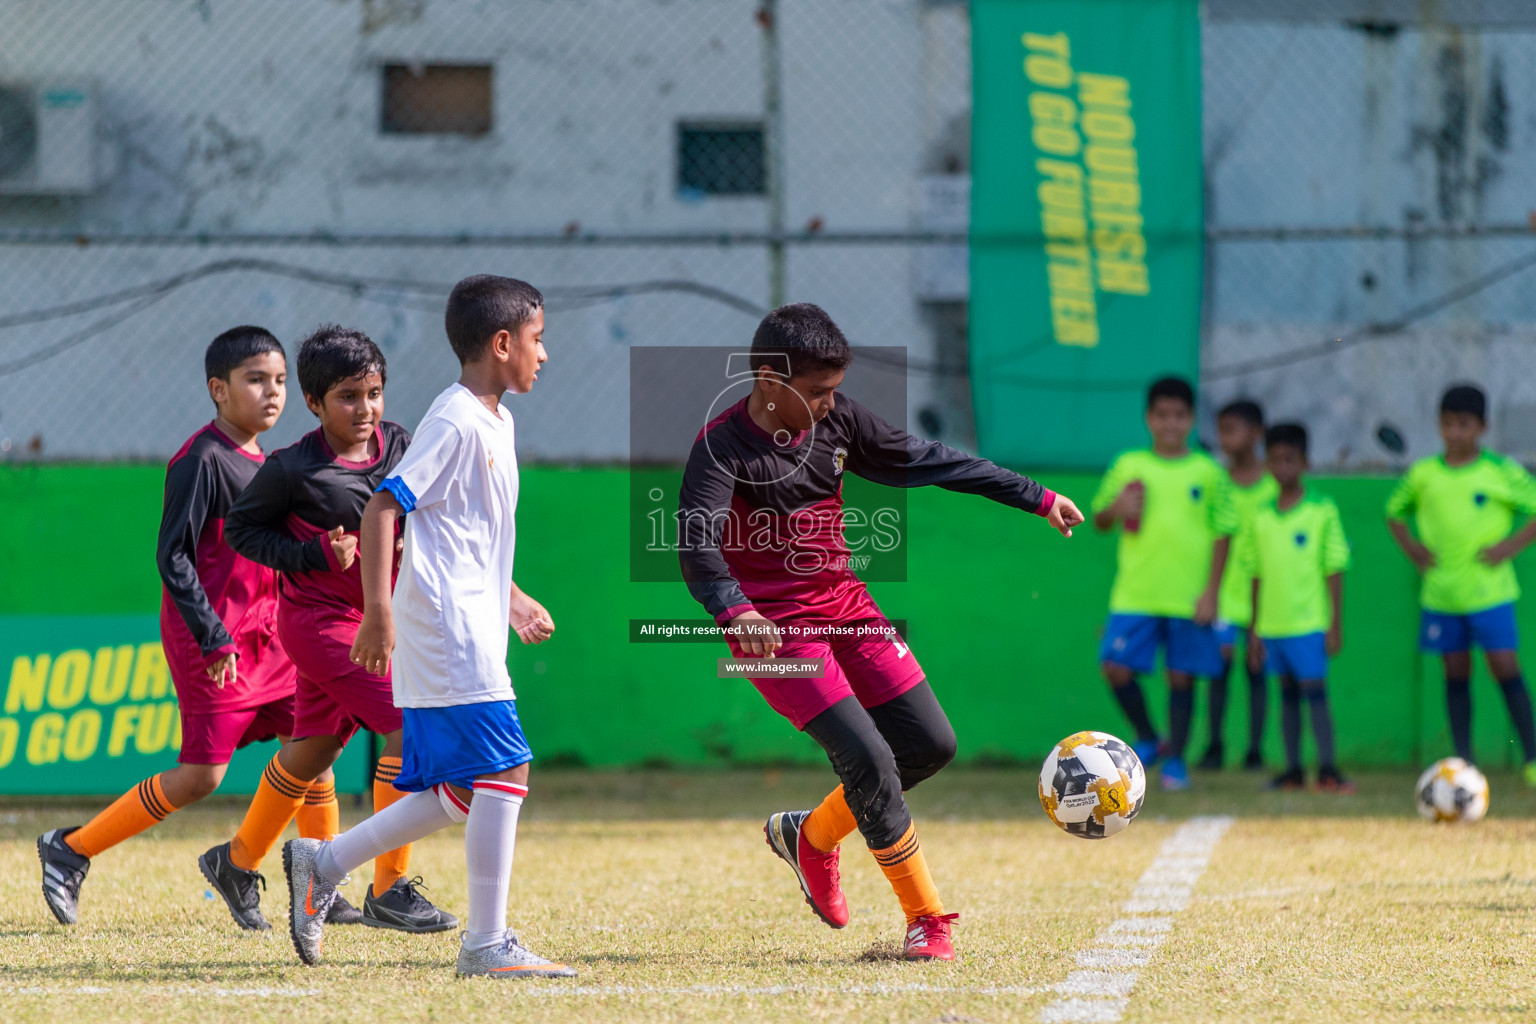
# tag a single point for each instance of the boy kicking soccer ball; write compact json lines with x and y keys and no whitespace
{"x":445,"y":626}
{"x":771,"y":466}
{"x":218,"y":618}
{"x":1295,"y":553}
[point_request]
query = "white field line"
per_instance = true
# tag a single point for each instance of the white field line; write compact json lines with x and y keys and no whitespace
{"x":223,"y":992}
{"x":553,"y":988}
{"x":557,"y":990}
{"x":1099,"y":990}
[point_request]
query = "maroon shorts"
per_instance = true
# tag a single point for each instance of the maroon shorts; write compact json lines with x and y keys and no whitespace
{"x":213,"y":737}
{"x":334,"y":697}
{"x":874,"y":671}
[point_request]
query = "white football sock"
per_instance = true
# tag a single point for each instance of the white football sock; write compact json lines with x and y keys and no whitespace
{"x":489,"y":839}
{"x":404,"y":821}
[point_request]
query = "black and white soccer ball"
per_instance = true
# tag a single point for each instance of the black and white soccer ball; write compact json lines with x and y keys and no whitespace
{"x":1452,"y":790}
{"x":1092,"y":785}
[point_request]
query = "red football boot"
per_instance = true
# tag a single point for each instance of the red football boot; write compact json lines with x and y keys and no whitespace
{"x":928,"y":938}
{"x":816,"y":871}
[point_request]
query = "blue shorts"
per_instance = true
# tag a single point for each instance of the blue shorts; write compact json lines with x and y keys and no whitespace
{"x":1132,"y":641}
{"x":459,"y":744}
{"x":1492,"y":629}
{"x":1227,"y":633}
{"x":1304,"y":658}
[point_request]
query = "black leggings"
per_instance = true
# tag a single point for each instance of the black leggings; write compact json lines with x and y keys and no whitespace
{"x":880,"y":752}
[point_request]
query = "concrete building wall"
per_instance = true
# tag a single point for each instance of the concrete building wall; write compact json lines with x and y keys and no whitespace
{"x":261,"y":117}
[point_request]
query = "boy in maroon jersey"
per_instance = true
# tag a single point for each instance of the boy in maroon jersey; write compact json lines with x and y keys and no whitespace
{"x":218,"y":621}
{"x":762,"y":547}
{"x":300,"y":515}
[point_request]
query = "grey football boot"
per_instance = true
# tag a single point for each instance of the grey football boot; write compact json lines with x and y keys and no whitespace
{"x":403,"y":908}
{"x":63,"y":873}
{"x":508,"y":959}
{"x":309,"y":897}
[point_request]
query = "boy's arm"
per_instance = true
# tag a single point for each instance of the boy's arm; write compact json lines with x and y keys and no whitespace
{"x":529,"y":619}
{"x":1400,"y":505}
{"x":1421,"y":557}
{"x":1522,"y":499}
{"x":1255,"y":644}
{"x":889,"y":455}
{"x":1336,"y":626}
{"x":1113,"y":501}
{"x":254,"y":527}
{"x":1205,"y":607}
{"x":375,"y":640}
{"x":188,"y":496}
{"x":703,"y":514}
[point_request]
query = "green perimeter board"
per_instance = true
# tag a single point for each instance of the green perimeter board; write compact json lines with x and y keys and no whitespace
{"x":1057,"y":195}
{"x":79,"y":581}
{"x":1004,"y":615}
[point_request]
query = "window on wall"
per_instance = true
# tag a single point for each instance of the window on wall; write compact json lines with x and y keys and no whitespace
{"x":436,"y":99}
{"x":716,"y":159}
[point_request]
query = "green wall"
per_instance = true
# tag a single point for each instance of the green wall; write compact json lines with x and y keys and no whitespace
{"x":1003,"y":614}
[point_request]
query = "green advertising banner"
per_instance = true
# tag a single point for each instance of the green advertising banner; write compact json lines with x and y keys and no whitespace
{"x":89,"y":708}
{"x":1086,"y":213}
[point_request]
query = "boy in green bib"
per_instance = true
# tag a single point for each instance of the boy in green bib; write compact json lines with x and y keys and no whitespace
{"x":1239,"y":429}
{"x":1462,"y":505}
{"x":1295,"y":552}
{"x":1176,"y":522}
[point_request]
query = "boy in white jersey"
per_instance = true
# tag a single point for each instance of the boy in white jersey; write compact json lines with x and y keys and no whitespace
{"x":464,"y":755}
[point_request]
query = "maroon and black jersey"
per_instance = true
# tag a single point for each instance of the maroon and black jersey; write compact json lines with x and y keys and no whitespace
{"x":760,"y":522}
{"x":299,"y":495}
{"x":215,"y":602}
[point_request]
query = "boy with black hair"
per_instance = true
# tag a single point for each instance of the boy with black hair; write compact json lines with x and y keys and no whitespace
{"x":1176,"y":517}
{"x":300,"y":516}
{"x":777,"y":458}
{"x":1295,"y":552}
{"x":465,"y":757}
{"x":1463,"y":503}
{"x":218,"y":611}
{"x":1239,"y":429}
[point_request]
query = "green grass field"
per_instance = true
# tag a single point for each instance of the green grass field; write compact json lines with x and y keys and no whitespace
{"x":658,"y":888}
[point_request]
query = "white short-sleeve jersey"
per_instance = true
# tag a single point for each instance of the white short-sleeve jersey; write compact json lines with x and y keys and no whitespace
{"x":452,"y":602}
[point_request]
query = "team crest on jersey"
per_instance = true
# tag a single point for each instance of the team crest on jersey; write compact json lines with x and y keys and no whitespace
{"x":838,"y":458}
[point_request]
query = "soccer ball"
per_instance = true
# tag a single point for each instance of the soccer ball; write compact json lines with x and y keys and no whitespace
{"x":1452,"y":790}
{"x":1092,"y":785}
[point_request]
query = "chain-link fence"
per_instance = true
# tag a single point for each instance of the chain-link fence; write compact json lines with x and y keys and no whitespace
{"x":1370,"y":217}
{"x":664,"y":171}
{"x":667,"y":170}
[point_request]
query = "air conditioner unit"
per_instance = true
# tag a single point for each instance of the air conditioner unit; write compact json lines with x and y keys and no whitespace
{"x":47,"y":138}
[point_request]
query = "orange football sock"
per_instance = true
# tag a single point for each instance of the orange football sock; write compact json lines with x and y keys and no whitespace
{"x":319,"y":817}
{"x":278,"y":798}
{"x":133,"y":812}
{"x":907,"y":870}
{"x":388,"y":868}
{"x":830,"y":823}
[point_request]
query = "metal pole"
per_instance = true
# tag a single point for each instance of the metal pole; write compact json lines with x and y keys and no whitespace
{"x":773,"y":146}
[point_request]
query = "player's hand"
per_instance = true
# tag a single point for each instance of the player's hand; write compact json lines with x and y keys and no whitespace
{"x":344,"y":546}
{"x":1256,"y":653}
{"x":375,"y":643}
{"x":1064,"y":515}
{"x":1334,"y":640}
{"x":1503,"y":551}
{"x":1205,"y":608}
{"x":1130,"y":503}
{"x":755,"y":635}
{"x":529,"y":620}
{"x":222,"y":671}
{"x":1422,"y":558}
